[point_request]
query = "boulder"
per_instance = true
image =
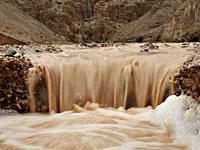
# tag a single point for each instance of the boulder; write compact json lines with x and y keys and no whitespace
{"x":187,"y":79}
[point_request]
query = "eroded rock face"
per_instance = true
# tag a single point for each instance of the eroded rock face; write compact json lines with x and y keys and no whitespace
{"x":187,"y":80}
{"x":185,"y":23}
{"x":86,"y":20}
{"x":101,"y":20}
{"x":118,"y":21}
{"x":63,"y":17}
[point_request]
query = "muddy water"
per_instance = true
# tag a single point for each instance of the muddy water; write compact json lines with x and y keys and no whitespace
{"x":112,"y":77}
{"x":106,"y":129}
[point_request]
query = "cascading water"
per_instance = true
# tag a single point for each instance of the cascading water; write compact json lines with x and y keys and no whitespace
{"x":115,"y":81}
{"x":110,"y":83}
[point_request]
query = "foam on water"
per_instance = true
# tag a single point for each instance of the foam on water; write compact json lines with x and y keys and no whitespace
{"x":181,"y":115}
{"x":168,"y":127}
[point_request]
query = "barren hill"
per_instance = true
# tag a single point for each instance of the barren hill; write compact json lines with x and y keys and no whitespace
{"x":18,"y":27}
{"x":101,"y":20}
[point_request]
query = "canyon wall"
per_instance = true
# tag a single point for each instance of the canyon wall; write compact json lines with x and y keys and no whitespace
{"x":118,"y":21}
{"x":102,"y":20}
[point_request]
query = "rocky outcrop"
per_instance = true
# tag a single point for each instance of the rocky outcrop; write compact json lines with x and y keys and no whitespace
{"x":118,"y":21}
{"x":185,"y":23}
{"x":85,"y":20}
{"x":169,"y":21}
{"x":187,"y":79}
{"x":13,"y":79}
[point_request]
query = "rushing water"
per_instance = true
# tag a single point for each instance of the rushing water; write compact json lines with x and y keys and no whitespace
{"x":111,"y":77}
{"x":171,"y":126}
{"x":113,"y":82}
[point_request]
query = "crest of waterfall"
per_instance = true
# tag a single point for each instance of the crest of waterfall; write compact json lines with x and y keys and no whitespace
{"x":129,"y":83}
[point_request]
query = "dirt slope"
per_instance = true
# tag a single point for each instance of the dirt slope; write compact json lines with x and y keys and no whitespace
{"x":17,"y":27}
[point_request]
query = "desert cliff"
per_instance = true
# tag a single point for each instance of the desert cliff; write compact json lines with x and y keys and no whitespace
{"x":101,"y":20}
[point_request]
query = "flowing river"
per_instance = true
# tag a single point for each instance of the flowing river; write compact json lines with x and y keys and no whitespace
{"x":111,"y":98}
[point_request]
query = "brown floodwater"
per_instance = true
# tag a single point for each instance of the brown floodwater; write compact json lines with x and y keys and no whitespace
{"x":111,"y":76}
{"x":115,"y":80}
{"x":103,"y":129}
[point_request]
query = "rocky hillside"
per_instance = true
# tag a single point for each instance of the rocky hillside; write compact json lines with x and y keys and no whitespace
{"x":19,"y":28}
{"x":106,"y":20}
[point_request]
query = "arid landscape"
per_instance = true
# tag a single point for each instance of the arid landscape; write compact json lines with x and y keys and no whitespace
{"x":47,"y":21}
{"x":99,"y":74}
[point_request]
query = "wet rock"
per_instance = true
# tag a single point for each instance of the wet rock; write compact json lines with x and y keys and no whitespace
{"x":197,"y":46}
{"x":167,"y":45}
{"x":53,"y":49}
{"x":93,"y":44}
{"x":149,"y":46}
{"x":12,"y":52}
{"x":103,"y":44}
{"x":194,"y":87}
{"x":58,"y":49}
{"x":37,"y":51}
{"x":145,"y":50}
{"x":18,"y":107}
{"x":83,"y":44}
{"x":156,"y":47}
{"x":187,"y":80}
{"x":186,"y":44}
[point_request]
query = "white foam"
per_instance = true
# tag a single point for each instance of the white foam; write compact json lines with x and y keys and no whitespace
{"x":182,"y":116}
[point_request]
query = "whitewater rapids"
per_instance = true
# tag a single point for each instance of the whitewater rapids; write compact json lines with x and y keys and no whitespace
{"x":173,"y":125}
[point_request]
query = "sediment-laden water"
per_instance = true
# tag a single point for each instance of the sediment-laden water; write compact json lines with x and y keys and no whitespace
{"x":115,"y":80}
{"x":171,"y":126}
{"x":112,"y":77}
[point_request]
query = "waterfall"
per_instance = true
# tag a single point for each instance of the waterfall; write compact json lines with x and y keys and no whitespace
{"x":128,"y":83}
